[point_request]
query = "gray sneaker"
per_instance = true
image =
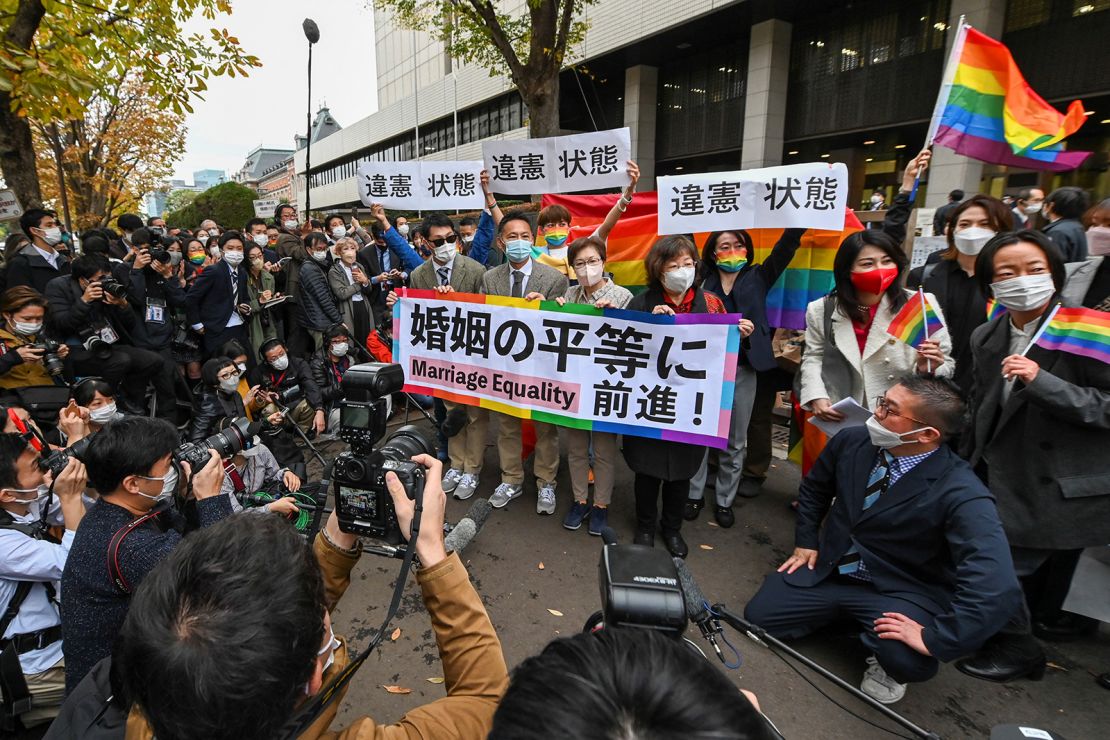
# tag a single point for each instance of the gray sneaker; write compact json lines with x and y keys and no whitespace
{"x":468,"y":484}
{"x":545,"y":499}
{"x":879,"y":686}
{"x":451,"y":480}
{"x":505,"y":493}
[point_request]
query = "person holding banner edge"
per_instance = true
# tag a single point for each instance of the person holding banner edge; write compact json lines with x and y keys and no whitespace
{"x":664,"y":468}
{"x":742,"y":287}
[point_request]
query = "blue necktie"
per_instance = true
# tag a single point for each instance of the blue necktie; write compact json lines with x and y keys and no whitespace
{"x":851,"y":564}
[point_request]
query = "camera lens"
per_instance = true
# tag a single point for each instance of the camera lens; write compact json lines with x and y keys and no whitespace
{"x":407,"y":442}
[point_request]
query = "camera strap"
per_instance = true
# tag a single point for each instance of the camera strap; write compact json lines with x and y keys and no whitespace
{"x":315,"y":706}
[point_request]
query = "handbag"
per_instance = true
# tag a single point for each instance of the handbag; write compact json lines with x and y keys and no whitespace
{"x":43,"y":402}
{"x":787,"y":346}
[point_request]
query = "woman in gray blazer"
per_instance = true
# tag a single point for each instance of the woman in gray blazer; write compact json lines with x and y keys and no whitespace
{"x":352,"y":290}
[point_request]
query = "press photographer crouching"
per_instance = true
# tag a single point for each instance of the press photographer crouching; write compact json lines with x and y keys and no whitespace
{"x":132,"y":526}
{"x":27,"y":356}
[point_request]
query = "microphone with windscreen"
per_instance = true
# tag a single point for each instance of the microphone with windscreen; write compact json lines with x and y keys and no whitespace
{"x":697,"y":606}
{"x":469,"y":526}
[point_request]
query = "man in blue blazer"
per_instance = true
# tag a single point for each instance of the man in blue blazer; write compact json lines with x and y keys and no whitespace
{"x":213,"y":303}
{"x":912,"y":547}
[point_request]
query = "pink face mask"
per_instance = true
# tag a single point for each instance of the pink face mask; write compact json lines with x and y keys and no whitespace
{"x":1098,"y":240}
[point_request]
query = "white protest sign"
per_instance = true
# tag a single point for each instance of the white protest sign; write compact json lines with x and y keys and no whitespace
{"x":560,"y":164}
{"x":9,"y":206}
{"x":619,"y":371}
{"x":923,"y":246}
{"x":265,"y":207}
{"x":810,"y":196}
{"x":421,"y":185}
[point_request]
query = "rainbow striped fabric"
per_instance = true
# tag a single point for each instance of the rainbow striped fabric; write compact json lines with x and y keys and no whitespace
{"x":916,"y":322}
{"x":994,"y":309}
{"x":988,"y":111}
{"x":1080,"y":331}
{"x":808,"y":277}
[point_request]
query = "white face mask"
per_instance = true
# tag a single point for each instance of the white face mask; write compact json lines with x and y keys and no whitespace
{"x":886,"y":439}
{"x":1098,"y":240}
{"x":52,"y":236}
{"x":242,"y":367}
{"x":320,"y":256}
{"x":229,"y":385}
{"x":261,"y":239}
{"x":338,"y":232}
{"x":233,"y":258}
{"x":970,"y":241}
{"x":403,"y":229}
{"x":876,"y":199}
{"x":201,"y":235}
{"x":590,"y":275}
{"x":678,"y":280}
{"x":27,"y":328}
{"x":1024,"y":293}
{"x":1030,"y":208}
{"x":104,"y":414}
{"x":280,"y":363}
{"x":40,"y":492}
{"x":468,"y":239}
{"x":215,"y":252}
{"x":444,"y":253}
{"x":289,"y":225}
{"x":340,"y":349}
{"x":169,"y":485}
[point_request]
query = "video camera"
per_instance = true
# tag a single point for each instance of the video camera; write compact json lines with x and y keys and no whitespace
{"x":362,"y":502}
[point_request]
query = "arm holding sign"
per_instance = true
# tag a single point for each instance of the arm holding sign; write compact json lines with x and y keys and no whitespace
{"x":622,"y":203}
{"x":894,"y":223}
{"x":483,"y":238}
{"x":409,"y":258}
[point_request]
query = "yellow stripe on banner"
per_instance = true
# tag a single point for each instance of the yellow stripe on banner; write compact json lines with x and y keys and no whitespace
{"x":502,"y":300}
{"x":979,"y":80}
{"x":628,"y":273}
{"x":503,"y":408}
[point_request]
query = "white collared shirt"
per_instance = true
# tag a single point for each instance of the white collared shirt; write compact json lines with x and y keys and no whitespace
{"x":351,"y":279}
{"x":527,"y":270}
{"x":51,"y":257}
{"x":233,"y":275}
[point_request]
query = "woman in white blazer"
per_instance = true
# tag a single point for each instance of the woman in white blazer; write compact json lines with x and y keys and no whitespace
{"x":848,"y":352}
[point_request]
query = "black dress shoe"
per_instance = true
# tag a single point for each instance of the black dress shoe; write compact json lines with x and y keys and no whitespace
{"x":1103,"y":680}
{"x":724,"y":516}
{"x":1006,"y":658}
{"x":676,"y":545}
{"x":644,"y":537}
{"x":693,"y":508}
{"x":1065,"y":629}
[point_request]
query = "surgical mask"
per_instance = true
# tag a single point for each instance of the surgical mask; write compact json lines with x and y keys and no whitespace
{"x":468,"y":239}
{"x":590,"y":274}
{"x":338,"y":232}
{"x":875,"y":199}
{"x":228,"y":385}
{"x":201,"y":235}
{"x":169,"y":485}
{"x":556,"y":237}
{"x":678,"y":280}
{"x":258,"y":263}
{"x":339,"y":349}
{"x":280,"y":363}
{"x":215,"y":252}
{"x":970,"y":241}
{"x":1024,"y":293}
{"x":289,"y":225}
{"x":444,"y":253}
{"x":241,"y":367}
{"x":518,"y":250}
{"x":403,"y":229}
{"x":884,"y":438}
{"x":320,"y":256}
{"x":333,"y":645}
{"x":175,"y":259}
{"x":40,"y":492}
{"x":261,"y":239}
{"x":1098,"y":240}
{"x":104,"y":414}
{"x":52,"y":236}
{"x":1030,"y":208}
{"x":874,"y":281}
{"x":233,"y":258}
{"x":732,"y":262}
{"x":27,"y":328}
{"x":157,"y":229}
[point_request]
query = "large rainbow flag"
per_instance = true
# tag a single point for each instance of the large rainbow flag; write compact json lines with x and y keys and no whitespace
{"x":987,"y":111}
{"x":808,"y":277}
{"x":1080,"y":331}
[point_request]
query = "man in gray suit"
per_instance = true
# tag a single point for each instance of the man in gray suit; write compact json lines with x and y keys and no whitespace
{"x":449,"y":272}
{"x":523,"y":277}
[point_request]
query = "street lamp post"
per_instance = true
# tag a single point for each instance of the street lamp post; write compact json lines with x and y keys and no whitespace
{"x":312,"y":33}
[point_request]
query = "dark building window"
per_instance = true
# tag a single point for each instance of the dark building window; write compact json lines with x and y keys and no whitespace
{"x":701,"y":102}
{"x":1056,"y":44}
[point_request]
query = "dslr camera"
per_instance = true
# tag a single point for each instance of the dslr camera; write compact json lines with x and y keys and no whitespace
{"x":231,"y":439}
{"x":113,"y":287}
{"x":362,"y":502}
{"x":57,"y":460}
{"x":50,"y":359}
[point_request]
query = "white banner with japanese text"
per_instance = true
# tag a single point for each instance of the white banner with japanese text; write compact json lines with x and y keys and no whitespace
{"x":812,"y":196}
{"x":423,"y":185}
{"x":559,"y":164}
{"x":608,"y":370}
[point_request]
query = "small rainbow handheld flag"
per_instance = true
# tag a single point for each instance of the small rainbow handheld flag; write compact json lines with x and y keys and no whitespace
{"x":1080,"y":331}
{"x":916,"y":322}
{"x":994,"y":309}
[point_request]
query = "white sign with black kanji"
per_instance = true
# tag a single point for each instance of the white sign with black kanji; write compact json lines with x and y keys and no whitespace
{"x":559,"y":164}
{"x":423,"y":185}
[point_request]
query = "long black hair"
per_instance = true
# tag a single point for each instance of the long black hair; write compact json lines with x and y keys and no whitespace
{"x":846,"y":298}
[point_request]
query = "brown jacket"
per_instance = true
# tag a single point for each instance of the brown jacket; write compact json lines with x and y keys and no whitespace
{"x":474,"y":669}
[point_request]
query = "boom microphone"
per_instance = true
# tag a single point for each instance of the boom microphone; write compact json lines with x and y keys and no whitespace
{"x":696,"y":606}
{"x":469,"y":526}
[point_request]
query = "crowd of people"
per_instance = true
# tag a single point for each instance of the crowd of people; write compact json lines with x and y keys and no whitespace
{"x":947,"y":527}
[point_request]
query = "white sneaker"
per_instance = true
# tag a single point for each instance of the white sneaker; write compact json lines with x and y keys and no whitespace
{"x":545,"y":499}
{"x":468,"y":484}
{"x":451,"y":480}
{"x":879,"y":686}
{"x":505,"y":493}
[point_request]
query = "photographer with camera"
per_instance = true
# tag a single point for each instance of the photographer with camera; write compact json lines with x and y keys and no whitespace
{"x":254,"y":469}
{"x":27,"y":356}
{"x":90,"y":313}
{"x":288,"y":381}
{"x":218,"y":398}
{"x":211,"y":651}
{"x":132,"y":527}
{"x":218,"y":304}
{"x":32,"y":673}
{"x":328,"y":365}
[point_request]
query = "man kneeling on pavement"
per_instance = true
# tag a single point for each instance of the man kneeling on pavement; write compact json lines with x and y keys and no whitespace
{"x":912,"y":548}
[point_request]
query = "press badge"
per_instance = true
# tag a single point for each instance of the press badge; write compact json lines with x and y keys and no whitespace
{"x":155,"y":310}
{"x":109,"y":335}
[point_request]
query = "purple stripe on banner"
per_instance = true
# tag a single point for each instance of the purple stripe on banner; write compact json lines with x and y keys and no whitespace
{"x":706,"y":318}
{"x":787,"y":318}
{"x":701,"y":440}
{"x":999,"y":152}
{"x":1072,"y":345}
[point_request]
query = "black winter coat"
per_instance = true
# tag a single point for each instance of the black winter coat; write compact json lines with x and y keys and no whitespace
{"x":316,"y":305}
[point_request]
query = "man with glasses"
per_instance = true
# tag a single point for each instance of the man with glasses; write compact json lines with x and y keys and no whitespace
{"x":912,"y":548}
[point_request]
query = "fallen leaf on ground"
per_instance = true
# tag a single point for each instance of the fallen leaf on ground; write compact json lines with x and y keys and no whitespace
{"x":714,"y":524}
{"x":1058,"y":667}
{"x":706,"y":547}
{"x":395,"y":635}
{"x":435,"y":679}
{"x":555,"y":612}
{"x":540,"y":566}
{"x":397,"y":689}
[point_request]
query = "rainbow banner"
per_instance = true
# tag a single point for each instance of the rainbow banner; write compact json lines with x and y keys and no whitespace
{"x":987,"y":111}
{"x":609,"y":370}
{"x":1079,"y":331}
{"x":808,"y":277}
{"x":916,"y":322}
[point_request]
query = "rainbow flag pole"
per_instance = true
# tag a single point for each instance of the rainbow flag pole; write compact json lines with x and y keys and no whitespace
{"x":925,"y":313}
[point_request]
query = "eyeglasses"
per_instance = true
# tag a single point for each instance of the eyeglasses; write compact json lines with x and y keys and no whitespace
{"x":882,"y":410}
{"x":592,"y":262}
{"x":440,"y":241}
{"x":228,"y":375}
